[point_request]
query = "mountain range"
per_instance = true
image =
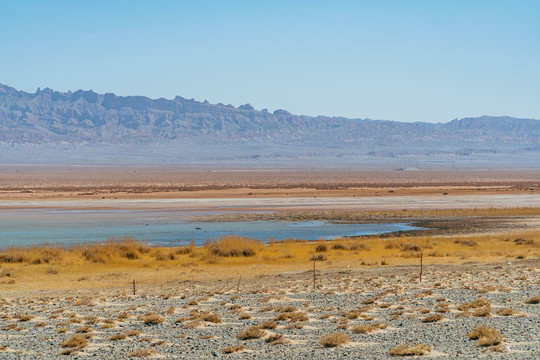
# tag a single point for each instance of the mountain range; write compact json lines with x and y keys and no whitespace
{"x":87,"y":120}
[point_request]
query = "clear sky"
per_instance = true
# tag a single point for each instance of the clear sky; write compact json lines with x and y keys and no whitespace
{"x":398,"y":60}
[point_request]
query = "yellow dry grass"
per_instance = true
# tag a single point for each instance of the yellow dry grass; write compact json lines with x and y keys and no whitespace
{"x":116,"y":262}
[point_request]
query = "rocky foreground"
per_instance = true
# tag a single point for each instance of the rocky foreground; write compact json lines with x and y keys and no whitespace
{"x":377,"y":313}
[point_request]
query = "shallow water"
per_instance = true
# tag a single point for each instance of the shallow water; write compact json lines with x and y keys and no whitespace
{"x":167,"y":228}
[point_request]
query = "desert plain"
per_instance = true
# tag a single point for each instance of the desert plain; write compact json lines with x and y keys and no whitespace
{"x":467,"y":285}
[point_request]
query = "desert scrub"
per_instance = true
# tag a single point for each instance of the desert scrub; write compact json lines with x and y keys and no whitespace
{"x":142,"y":353}
{"x":321,"y":248}
{"x":406,"y":350}
{"x":152,"y":319}
{"x":505,"y":312}
{"x":232,"y":246}
{"x":334,"y":339}
{"x":120,"y":336}
{"x":75,"y":343}
{"x":533,"y":300}
{"x":211,"y":317}
{"x":486,"y":336}
{"x":432,"y":318}
{"x":252,"y":332}
{"x":364,"y":329}
{"x":482,"y":308}
{"x":276,"y":339}
{"x":268,"y":325}
{"x":233,"y":349}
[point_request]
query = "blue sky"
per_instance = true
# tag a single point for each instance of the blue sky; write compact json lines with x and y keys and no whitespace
{"x":398,"y":60}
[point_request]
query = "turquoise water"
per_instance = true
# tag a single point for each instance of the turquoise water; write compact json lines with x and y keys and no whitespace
{"x":167,"y":228}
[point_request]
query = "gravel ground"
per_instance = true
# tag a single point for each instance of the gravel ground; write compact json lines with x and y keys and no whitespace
{"x":201,"y":319}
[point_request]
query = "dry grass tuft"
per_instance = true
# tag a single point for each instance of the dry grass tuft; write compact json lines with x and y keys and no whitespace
{"x":120,"y":336}
{"x":276,"y":339}
{"x":74,"y":344}
{"x":233,"y":349}
{"x":432,"y":318}
{"x":142,"y":353}
{"x":335,"y":339}
{"x":406,"y":350}
{"x":321,"y":248}
{"x":533,"y":300}
{"x":232,"y":246}
{"x":486,"y":336}
{"x":75,"y":341}
{"x":152,"y":319}
{"x":364,"y":329}
{"x":268,"y":325}
{"x":211,"y":317}
{"x":505,"y":312}
{"x":252,"y":332}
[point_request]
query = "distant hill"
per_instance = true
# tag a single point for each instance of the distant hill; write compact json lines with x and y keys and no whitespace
{"x":85,"y":118}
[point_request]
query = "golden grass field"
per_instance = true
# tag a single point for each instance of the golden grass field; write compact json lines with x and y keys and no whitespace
{"x":116,"y":262}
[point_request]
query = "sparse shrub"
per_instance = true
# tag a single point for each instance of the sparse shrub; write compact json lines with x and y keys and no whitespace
{"x":505,"y":312}
{"x":276,"y":339}
{"x":211,"y":317}
{"x":520,"y":241}
{"x":359,"y":247}
{"x":432,"y":318}
{"x":76,"y":341}
{"x":233,"y":349}
{"x":364,"y":329}
{"x":321,"y":248}
{"x":335,"y":339}
{"x":244,"y":316}
{"x":268,"y":325}
{"x":84,"y":329}
{"x":464,"y":242}
{"x":410,"y":247}
{"x":142,"y":353}
{"x":406,"y":350}
{"x":232,"y":246}
{"x":486,"y":336}
{"x":252,"y":332}
{"x":318,"y":257}
{"x":482,"y":306}
{"x":152,"y":319}
{"x":120,"y":336}
{"x":533,"y":300}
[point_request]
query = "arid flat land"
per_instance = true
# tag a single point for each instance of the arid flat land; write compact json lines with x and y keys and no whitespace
{"x":479,"y":258}
{"x":27,"y":182}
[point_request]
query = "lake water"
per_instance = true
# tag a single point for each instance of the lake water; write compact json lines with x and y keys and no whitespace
{"x":166,"y":228}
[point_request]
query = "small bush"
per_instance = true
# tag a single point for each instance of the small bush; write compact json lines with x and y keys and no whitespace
{"x":233,"y":349}
{"x":321,"y":248}
{"x":505,"y":312}
{"x":335,"y":339}
{"x":232,"y":246}
{"x":406,"y":350}
{"x":276,"y":339}
{"x":486,"y":336}
{"x":252,"y":332}
{"x":410,"y":247}
{"x":142,"y":353}
{"x":432,"y":318}
{"x":120,"y":336}
{"x":152,"y":319}
{"x":76,"y":341}
{"x":364,"y":329}
{"x":212,"y":318}
{"x":268,"y":325}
